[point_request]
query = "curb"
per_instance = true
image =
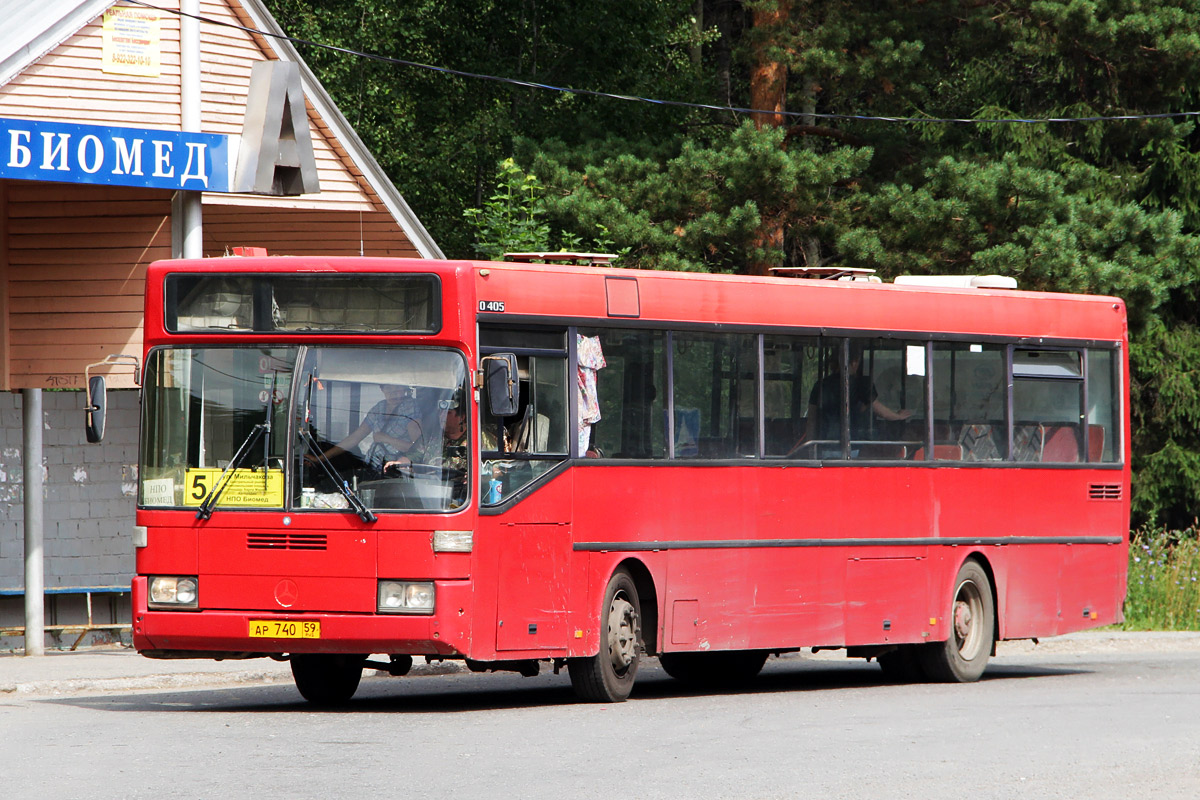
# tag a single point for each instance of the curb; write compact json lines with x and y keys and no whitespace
{"x":193,"y":680}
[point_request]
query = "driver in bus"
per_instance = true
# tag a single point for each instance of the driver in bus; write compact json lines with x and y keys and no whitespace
{"x":393,"y":426}
{"x":823,"y":421}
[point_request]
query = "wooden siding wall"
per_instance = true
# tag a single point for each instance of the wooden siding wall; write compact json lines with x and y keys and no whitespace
{"x":229,"y":56}
{"x":299,"y":232}
{"x":75,"y":273}
{"x":68,"y":85}
{"x":73,"y":257}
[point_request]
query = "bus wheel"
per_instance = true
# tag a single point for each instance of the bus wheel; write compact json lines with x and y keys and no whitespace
{"x":608,"y":676}
{"x":964,"y":655}
{"x":327,"y":680}
{"x":723,"y":668}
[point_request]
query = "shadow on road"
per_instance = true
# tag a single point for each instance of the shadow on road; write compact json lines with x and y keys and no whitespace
{"x":499,"y":692}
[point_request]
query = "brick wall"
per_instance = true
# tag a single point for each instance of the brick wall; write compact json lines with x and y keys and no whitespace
{"x":90,"y":492}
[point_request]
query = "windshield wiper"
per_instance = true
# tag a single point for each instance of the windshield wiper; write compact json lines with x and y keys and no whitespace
{"x":206,"y":508}
{"x":342,"y":485}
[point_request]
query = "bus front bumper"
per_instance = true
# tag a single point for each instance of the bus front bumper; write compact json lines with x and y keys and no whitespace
{"x":209,"y":633}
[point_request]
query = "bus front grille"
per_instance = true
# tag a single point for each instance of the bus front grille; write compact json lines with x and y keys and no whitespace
{"x":285,"y":541}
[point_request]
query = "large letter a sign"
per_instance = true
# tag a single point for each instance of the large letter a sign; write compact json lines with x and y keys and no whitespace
{"x":276,"y":155}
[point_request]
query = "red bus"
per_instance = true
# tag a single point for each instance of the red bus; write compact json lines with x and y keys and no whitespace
{"x":354,"y":462}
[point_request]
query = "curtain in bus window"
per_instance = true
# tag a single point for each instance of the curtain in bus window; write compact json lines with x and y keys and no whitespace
{"x":630,"y":393}
{"x":590,"y":356}
{"x":713,"y":383}
{"x":969,"y":399}
{"x":1103,"y":407}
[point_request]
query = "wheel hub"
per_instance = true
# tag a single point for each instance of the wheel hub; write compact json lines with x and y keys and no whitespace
{"x":622,"y":633}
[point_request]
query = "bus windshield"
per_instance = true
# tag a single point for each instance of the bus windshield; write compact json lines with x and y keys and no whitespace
{"x":323,"y":428}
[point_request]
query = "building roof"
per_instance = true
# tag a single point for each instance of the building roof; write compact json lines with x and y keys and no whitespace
{"x":33,"y":29}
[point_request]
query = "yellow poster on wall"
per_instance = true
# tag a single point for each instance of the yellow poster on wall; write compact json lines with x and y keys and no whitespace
{"x":244,"y":488}
{"x":131,"y":42}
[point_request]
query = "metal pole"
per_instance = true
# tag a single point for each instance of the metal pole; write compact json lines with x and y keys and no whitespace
{"x":187,"y":208}
{"x":31,"y":458}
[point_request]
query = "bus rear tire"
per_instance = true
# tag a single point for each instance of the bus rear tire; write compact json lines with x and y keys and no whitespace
{"x":327,"y":680}
{"x":608,"y":676}
{"x":963,"y":657}
{"x":724,"y":668}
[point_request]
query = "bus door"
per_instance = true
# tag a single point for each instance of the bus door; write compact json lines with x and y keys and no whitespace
{"x":526,"y":492}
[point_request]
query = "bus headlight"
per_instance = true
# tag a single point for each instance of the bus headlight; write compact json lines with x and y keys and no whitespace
{"x":406,"y":597}
{"x":173,"y":592}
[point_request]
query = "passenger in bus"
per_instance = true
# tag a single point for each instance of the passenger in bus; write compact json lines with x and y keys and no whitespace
{"x":823,"y":422}
{"x":393,"y":427}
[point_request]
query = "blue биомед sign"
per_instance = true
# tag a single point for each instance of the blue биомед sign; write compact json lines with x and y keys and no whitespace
{"x":65,"y":152}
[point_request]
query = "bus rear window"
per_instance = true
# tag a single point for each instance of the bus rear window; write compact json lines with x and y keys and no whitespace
{"x":267,"y":303}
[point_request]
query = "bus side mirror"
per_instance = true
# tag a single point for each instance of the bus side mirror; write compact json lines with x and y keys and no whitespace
{"x":97,"y":399}
{"x":500,"y":382}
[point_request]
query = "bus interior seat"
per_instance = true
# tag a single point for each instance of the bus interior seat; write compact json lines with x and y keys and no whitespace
{"x":1095,"y":442}
{"x":941,"y":452}
{"x":1029,"y":442}
{"x":1062,"y":445}
{"x":978,"y":443}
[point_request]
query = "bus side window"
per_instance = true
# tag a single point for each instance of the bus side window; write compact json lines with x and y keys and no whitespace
{"x":1104,"y":406}
{"x":1048,"y":405}
{"x":790,"y":369}
{"x":969,"y":398}
{"x":630,"y":392}
{"x":714,"y":384}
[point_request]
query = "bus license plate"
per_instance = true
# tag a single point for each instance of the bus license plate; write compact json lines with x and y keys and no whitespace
{"x":284,"y":629}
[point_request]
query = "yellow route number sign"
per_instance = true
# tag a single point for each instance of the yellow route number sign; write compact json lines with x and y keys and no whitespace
{"x":244,"y":488}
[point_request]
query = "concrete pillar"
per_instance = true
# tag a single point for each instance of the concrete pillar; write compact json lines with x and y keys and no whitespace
{"x":31,"y":459}
{"x":187,"y":233}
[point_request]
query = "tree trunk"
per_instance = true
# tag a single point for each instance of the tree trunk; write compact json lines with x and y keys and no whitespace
{"x":768,"y":91}
{"x":768,"y":77}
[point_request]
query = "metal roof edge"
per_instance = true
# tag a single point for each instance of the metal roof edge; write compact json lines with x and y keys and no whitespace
{"x":45,"y":27}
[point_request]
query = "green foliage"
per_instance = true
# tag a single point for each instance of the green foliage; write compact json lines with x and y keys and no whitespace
{"x":689,"y":205}
{"x":512,"y":219}
{"x":1165,"y":389}
{"x":1044,"y":227}
{"x":1164,"y":581}
{"x":1110,"y":207}
{"x":440,"y":136}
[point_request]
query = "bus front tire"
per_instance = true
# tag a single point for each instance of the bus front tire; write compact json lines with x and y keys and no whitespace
{"x":964,"y":655}
{"x":608,"y":676}
{"x":327,"y":680}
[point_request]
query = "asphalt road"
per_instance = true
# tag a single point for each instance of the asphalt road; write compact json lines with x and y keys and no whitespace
{"x":1074,"y":722}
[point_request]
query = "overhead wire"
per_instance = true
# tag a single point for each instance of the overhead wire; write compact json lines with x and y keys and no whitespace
{"x":810,"y":115}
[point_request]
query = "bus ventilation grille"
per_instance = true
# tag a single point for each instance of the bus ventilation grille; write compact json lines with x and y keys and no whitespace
{"x":1104,"y":491}
{"x":285,"y":541}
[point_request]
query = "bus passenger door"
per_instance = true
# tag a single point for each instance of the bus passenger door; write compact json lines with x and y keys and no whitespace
{"x":531,"y":607}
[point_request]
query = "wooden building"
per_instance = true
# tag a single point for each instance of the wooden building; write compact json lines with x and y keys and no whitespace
{"x":72,"y":255}
{"x":87,"y":90}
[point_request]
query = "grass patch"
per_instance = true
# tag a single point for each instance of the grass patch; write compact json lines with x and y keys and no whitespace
{"x":1164,"y":581}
